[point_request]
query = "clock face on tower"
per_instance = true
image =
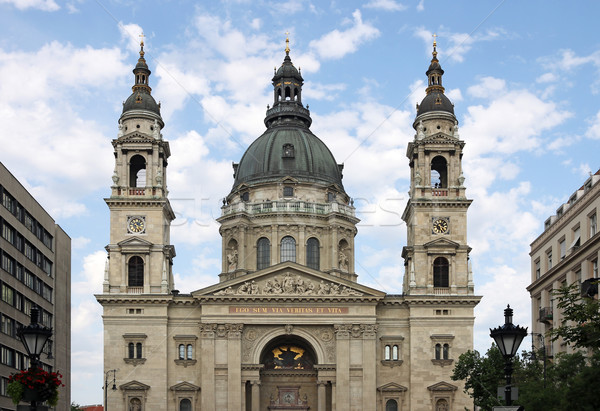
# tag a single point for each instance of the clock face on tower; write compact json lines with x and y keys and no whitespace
{"x":440,"y":225}
{"x":136,"y":225}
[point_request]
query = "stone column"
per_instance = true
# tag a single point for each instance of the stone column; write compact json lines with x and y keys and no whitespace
{"x":301,"y":245}
{"x":255,"y":395}
{"x":321,"y":396}
{"x":274,"y":245}
{"x":243,"y":397}
{"x":234,"y":366}
{"x":342,"y":336}
{"x":334,"y":246}
{"x":242,"y":252}
{"x":207,"y":358}
{"x":333,"y":397}
{"x":369,"y":387}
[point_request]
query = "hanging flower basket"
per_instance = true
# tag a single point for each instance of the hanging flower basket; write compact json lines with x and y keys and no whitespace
{"x":34,"y":384}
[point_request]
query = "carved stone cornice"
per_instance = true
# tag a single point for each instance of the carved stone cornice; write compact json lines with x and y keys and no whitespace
{"x":208,"y":330}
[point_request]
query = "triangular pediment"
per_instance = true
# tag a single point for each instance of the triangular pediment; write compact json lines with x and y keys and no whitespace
{"x":289,"y":280}
{"x":185,"y":386}
{"x":134,"y":386}
{"x":392,"y":387}
{"x":439,"y":137}
{"x":289,"y":180}
{"x":442,"y":386}
{"x":441,"y":243}
{"x":137,"y":137}
{"x":134,"y":242}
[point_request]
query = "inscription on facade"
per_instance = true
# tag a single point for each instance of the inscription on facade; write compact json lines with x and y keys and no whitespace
{"x":288,"y":310}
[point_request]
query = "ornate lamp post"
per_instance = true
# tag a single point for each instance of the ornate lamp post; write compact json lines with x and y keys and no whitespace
{"x":34,"y":337}
{"x":508,"y":337}
{"x":114,"y":386}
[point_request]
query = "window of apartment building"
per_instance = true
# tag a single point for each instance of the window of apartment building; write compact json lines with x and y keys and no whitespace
{"x":562,"y":246}
{"x":576,"y":238}
{"x":8,"y":295}
{"x":595,"y":268}
{"x":8,"y":233}
{"x":538,"y":269}
{"x":8,"y":264}
{"x":549,"y":258}
{"x":593,"y":224}
{"x":3,"y":386}
{"x":7,"y":356}
{"x":8,"y":202}
{"x":8,"y":326}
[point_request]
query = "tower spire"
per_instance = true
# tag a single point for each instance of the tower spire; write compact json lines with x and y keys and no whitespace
{"x":435,"y":72}
{"x":287,"y":43}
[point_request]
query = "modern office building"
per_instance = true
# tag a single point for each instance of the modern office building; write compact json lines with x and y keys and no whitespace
{"x":35,"y":269}
{"x":566,"y":252}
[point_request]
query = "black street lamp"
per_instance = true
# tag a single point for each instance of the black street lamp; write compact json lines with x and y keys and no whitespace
{"x":114,"y":386}
{"x":34,"y":337}
{"x":508,"y":337}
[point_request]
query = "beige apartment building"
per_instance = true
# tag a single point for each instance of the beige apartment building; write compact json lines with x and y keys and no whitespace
{"x":35,"y":269}
{"x":287,"y":325}
{"x":565,"y":253}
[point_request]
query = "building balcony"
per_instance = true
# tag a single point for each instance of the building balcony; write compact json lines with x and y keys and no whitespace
{"x":287,"y":206}
{"x":546,"y":315}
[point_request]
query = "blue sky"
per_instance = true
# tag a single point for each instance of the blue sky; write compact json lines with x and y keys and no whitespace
{"x":524,"y":78}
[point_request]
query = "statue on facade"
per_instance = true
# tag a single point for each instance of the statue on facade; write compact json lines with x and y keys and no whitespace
{"x":343,"y":261}
{"x":121,"y":129}
{"x":455,"y":130}
{"x":418,"y":179}
{"x":232,"y":260}
{"x":420,"y":131}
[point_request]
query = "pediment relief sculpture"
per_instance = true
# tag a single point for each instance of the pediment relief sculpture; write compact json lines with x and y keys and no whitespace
{"x":290,"y":285}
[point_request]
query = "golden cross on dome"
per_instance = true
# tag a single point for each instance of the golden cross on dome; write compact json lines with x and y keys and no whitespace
{"x":287,"y":42}
{"x":434,"y":38}
{"x":142,"y":37}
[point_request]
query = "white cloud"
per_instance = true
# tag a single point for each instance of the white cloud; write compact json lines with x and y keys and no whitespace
{"x":454,"y":46}
{"x":80,"y":242}
{"x":421,"y":5}
{"x":131,"y":35}
{"x":90,"y":280}
{"x":317,"y":91}
{"x":44,"y":5}
{"x":547,"y":78}
{"x":336,"y":44}
{"x":593,"y":130}
{"x":488,"y":87}
{"x":510,"y":122}
{"x":386,"y":5}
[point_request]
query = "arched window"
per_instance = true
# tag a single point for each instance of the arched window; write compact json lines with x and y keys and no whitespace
{"x":135,"y":272}
{"x":439,"y":172}
{"x":131,"y":350}
{"x":391,"y":405}
{"x":288,"y":249}
{"x":263,"y":253}
{"x":181,"y":352}
{"x":438,"y":351}
{"x":185,"y":405}
{"x":288,"y":93}
{"x":138,"y":350}
{"x":190,"y":351}
{"x":386,"y":353}
{"x":135,"y":404}
{"x":137,"y":171}
{"x":446,"y":351}
{"x":312,"y":253}
{"x":395,"y":353}
{"x":440,"y":272}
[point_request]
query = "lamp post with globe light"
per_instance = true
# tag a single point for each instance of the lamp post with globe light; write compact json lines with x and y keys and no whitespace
{"x":34,"y":337}
{"x":508,"y":337}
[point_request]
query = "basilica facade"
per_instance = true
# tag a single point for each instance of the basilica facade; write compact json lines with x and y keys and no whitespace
{"x":287,"y":325}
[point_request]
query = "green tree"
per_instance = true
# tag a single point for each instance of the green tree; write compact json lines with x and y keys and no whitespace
{"x":482,"y":376}
{"x":75,"y":407}
{"x":580,"y":324}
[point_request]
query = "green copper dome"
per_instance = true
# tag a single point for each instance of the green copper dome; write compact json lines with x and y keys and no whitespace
{"x":287,"y":147}
{"x":288,"y":151}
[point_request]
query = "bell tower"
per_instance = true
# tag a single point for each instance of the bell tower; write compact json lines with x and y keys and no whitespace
{"x":436,"y":256}
{"x":140,"y":255}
